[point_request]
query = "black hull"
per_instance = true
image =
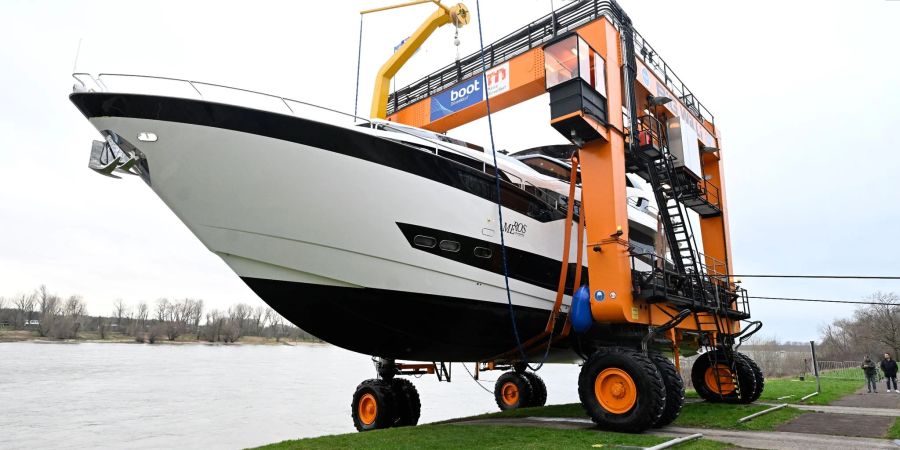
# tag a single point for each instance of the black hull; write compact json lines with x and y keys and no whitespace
{"x":400,"y":325}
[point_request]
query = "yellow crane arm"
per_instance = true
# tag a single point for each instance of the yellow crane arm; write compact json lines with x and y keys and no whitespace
{"x":457,"y":15}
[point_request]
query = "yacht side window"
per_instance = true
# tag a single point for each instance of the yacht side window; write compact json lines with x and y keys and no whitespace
{"x":425,"y":241}
{"x":450,"y":246}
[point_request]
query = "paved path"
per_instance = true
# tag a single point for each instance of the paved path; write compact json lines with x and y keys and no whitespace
{"x":775,"y":440}
{"x":839,"y":425}
{"x":859,"y":414}
{"x":860,"y":411}
{"x":779,"y":440}
{"x":862,"y":399}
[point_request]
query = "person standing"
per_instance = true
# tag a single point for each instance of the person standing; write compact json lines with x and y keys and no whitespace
{"x":871,"y":372}
{"x":889,"y":367}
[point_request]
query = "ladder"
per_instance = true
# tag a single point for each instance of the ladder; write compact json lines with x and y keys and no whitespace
{"x":667,"y":186}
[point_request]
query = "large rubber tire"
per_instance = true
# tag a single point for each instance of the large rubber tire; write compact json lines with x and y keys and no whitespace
{"x":538,"y":389}
{"x":674,"y":389}
{"x":407,"y":405}
{"x":630,"y":386}
{"x":373,"y":405}
{"x":512,"y":391}
{"x":736,"y":386}
{"x":757,"y":374}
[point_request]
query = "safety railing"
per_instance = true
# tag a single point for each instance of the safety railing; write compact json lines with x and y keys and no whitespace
{"x":710,"y":192}
{"x":183,"y":88}
{"x":665,"y":73}
{"x":841,"y":370}
{"x":656,"y":278}
{"x":647,"y":208}
{"x":533,"y":35}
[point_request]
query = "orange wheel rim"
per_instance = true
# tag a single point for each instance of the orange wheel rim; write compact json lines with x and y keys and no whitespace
{"x":719,"y":379}
{"x":368,"y":409}
{"x":510,"y":393}
{"x":615,"y":390}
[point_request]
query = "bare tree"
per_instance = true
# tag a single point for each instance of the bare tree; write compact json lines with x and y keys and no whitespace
{"x":883,"y":320}
{"x":24,"y":304}
{"x":101,"y":327}
{"x":120,"y":311}
{"x":143,"y":313}
{"x":196,"y":315}
{"x":213,"y":327}
{"x":49,"y":308}
{"x":239,"y":314}
{"x":162,"y":309}
{"x":258,"y":324}
{"x":269,"y":318}
{"x":279,"y":327}
{"x":873,"y":329}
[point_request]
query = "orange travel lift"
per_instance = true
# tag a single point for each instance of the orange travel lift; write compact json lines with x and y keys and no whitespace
{"x":640,"y":309}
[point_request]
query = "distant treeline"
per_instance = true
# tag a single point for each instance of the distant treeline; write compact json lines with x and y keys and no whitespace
{"x":52,"y":316}
{"x":872,"y":330}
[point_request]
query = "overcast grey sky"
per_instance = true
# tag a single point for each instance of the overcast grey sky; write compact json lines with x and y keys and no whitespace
{"x":807,"y":95}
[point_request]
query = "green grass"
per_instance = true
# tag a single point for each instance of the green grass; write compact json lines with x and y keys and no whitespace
{"x":702,"y":414}
{"x":831,"y":390}
{"x":485,"y":436}
{"x":894,"y":432}
{"x":723,"y":415}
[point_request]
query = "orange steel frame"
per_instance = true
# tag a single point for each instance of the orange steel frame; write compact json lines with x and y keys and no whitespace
{"x":603,"y":181}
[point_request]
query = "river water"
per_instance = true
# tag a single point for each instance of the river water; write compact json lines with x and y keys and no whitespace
{"x":206,"y":396}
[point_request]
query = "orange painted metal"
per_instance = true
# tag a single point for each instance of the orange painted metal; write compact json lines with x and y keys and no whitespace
{"x":423,"y":368}
{"x":579,"y":258}
{"x":719,"y":379}
{"x":367,"y":409}
{"x":604,"y":200}
{"x":567,"y":243}
{"x":509,"y":393}
{"x":526,"y":81}
{"x":615,"y":390}
{"x":716,"y":242}
{"x":604,"y":197}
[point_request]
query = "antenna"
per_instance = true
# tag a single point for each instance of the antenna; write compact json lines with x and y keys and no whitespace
{"x":77,"y":54}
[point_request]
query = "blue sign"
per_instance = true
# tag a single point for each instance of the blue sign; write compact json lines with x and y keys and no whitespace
{"x":458,"y":97}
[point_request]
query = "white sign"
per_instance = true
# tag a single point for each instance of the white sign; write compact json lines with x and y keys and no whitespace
{"x":497,"y":79}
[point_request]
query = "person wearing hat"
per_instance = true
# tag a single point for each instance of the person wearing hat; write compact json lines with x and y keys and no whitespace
{"x":871,"y":371}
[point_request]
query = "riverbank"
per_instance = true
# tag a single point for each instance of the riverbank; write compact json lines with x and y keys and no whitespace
{"x":121,"y":338}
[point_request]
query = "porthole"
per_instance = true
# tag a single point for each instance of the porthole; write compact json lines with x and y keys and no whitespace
{"x":482,"y":252}
{"x":450,"y":246}
{"x":424,"y":241}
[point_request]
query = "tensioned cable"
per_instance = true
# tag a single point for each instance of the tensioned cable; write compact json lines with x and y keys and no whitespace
{"x":358,"y":64}
{"x":476,"y":381}
{"x":829,"y":277}
{"x":512,"y":311}
{"x":819,"y":300}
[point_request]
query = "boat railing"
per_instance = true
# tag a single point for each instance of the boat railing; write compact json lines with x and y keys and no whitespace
{"x":152,"y":84}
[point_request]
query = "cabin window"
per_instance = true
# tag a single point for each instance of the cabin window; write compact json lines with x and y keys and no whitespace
{"x":561,"y":61}
{"x":599,"y":70}
{"x":425,"y":241}
{"x":572,"y":58}
{"x":483,"y":252}
{"x":450,"y":246}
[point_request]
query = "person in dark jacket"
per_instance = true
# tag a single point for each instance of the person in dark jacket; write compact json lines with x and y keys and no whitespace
{"x":889,"y":367}
{"x":871,"y":371}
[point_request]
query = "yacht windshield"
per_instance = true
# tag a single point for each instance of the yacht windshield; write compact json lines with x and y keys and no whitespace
{"x":430,"y":135}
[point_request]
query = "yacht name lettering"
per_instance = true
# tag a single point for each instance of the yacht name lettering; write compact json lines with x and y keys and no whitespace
{"x":517,"y":228}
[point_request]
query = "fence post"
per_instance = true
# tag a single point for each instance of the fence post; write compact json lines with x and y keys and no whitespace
{"x":812,"y":348}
